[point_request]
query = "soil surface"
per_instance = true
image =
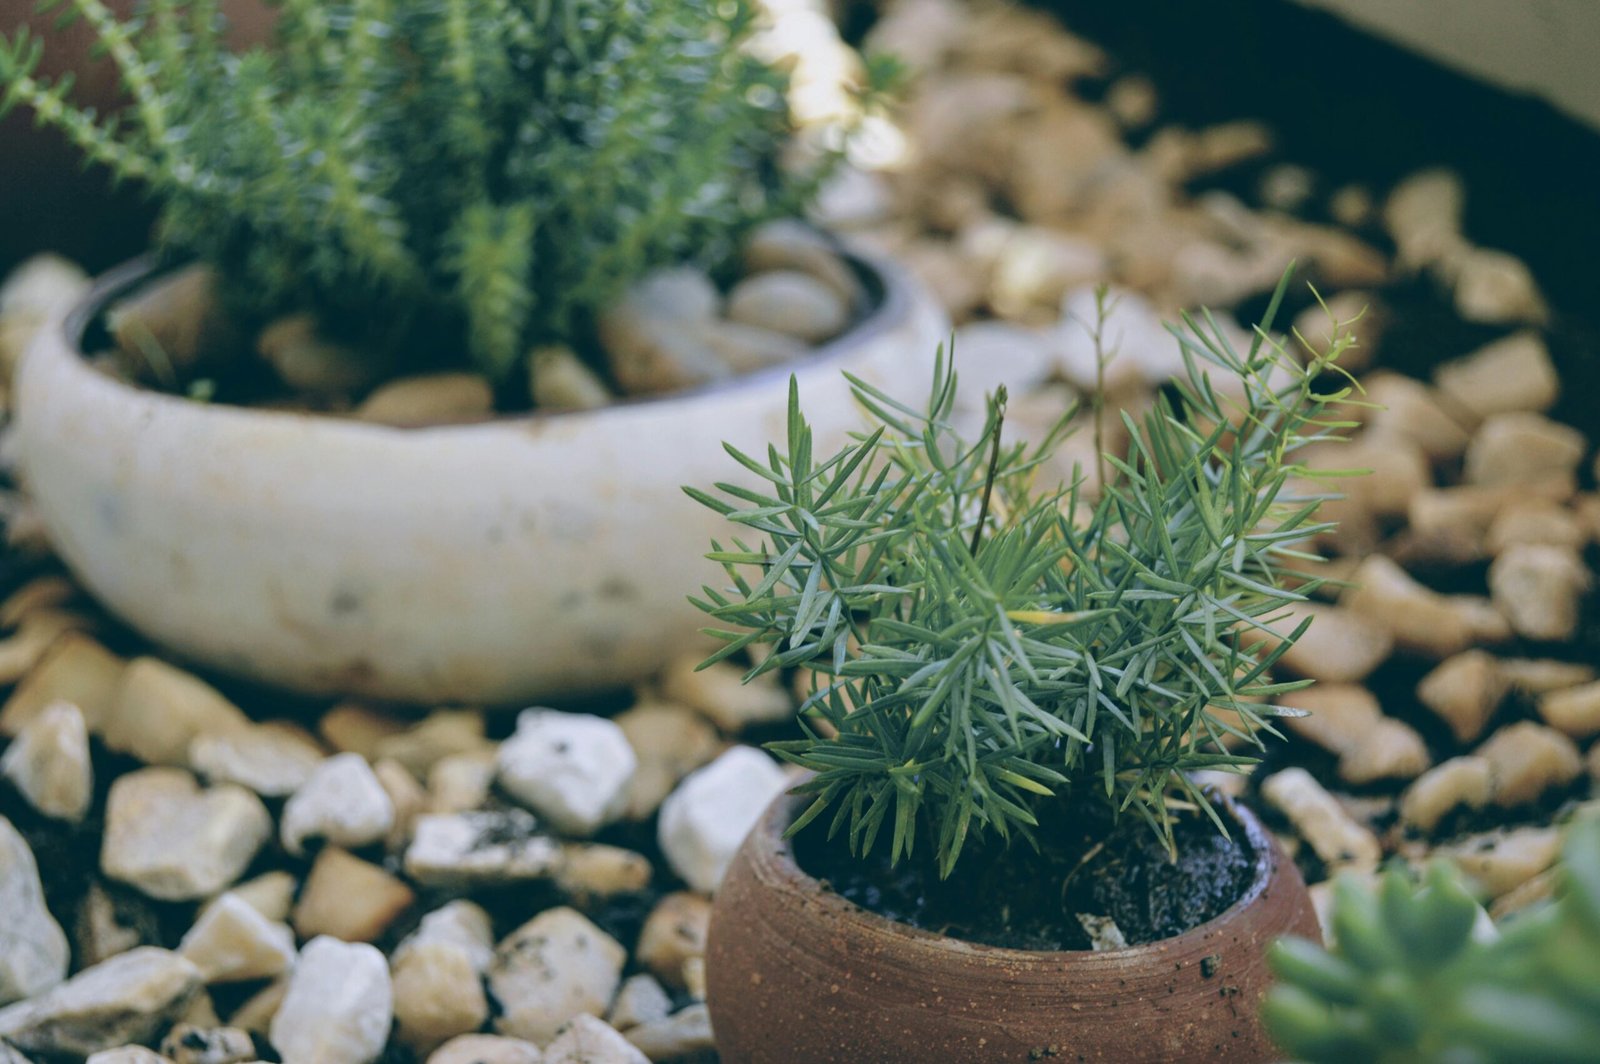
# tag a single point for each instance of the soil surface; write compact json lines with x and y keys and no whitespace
{"x":1018,"y":898}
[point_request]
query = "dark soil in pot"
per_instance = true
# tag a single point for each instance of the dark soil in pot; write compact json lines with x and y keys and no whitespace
{"x":1020,"y":898}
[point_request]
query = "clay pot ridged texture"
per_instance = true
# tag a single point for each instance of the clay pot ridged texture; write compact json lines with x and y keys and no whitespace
{"x":798,"y":975}
{"x":488,"y":563}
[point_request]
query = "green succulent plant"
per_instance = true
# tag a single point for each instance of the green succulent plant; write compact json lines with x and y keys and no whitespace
{"x":1408,"y":981}
{"x":490,"y":171}
{"x":985,"y":645}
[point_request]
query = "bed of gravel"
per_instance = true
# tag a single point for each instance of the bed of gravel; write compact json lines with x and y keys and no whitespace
{"x":193,"y":871}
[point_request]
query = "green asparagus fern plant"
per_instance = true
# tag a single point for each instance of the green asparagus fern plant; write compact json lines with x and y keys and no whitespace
{"x":1409,"y":981}
{"x":983,"y":643}
{"x":496,"y":169}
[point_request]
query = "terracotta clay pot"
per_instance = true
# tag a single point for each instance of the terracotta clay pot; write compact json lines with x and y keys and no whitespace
{"x":798,"y":975}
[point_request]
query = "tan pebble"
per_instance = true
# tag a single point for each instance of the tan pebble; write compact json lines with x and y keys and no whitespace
{"x":593,"y":870}
{"x":721,"y":694}
{"x":1419,"y":619}
{"x":349,"y":899}
{"x":76,"y":669}
{"x":1574,"y":711}
{"x":1528,"y":760}
{"x":408,"y":798}
{"x":434,"y":399}
{"x":1536,"y":521}
{"x":1530,"y":892}
{"x":437,"y":995}
{"x":1496,"y":287}
{"x":194,"y":1043}
{"x":1500,"y":861}
{"x":256,"y":1014}
{"x":1465,"y":690}
{"x":559,"y":380}
{"x":1535,"y":676}
{"x":1337,"y":838}
{"x":1508,"y":375}
{"x":159,"y":709}
{"x":1347,"y":720}
{"x":271,"y":894}
{"x":1538,"y":588}
{"x":1339,"y":647}
{"x":1411,"y":410}
{"x":24,"y":649}
{"x":1522,"y":448}
{"x":438,"y":735}
{"x":674,"y":931}
{"x":1461,"y":781}
{"x":461,"y":782}
{"x":351,"y":727}
{"x":486,"y":1049}
{"x":670,"y":742}
{"x":40,"y":593}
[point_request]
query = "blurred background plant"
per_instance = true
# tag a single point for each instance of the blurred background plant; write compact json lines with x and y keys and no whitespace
{"x":981,"y":645}
{"x":1409,"y":980}
{"x":414,"y":174}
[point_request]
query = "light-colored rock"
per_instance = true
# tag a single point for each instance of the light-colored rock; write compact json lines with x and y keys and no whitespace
{"x":461,"y":782}
{"x":559,"y":380}
{"x":587,"y":1040}
{"x":1574,"y":711}
{"x":1396,"y":469}
{"x":1529,"y":759}
{"x":589,"y":871}
{"x":338,"y":1006}
{"x":570,"y":768}
{"x":354,"y":728}
{"x":1411,"y":410}
{"x":41,"y":593}
{"x":1341,"y":646}
{"x":234,"y":942}
{"x":406,"y":797}
{"x":159,"y":709}
{"x":703,"y":822}
{"x":988,"y":354}
{"x":640,"y":1000}
{"x":176,"y":841}
{"x":674,"y":932}
{"x":348,"y":899}
{"x":128,"y":1055}
{"x":188,"y":1043}
{"x":556,"y":966}
{"x":75,"y":669}
{"x":721,"y":695}
{"x":789,"y":302}
{"x":1538,"y":588}
{"x":33,"y":948}
{"x":342,"y":803}
{"x":1465,"y":690}
{"x":127,"y":999}
{"x":271,"y":894}
{"x":1523,"y":448}
{"x":1497,"y":288}
{"x":670,"y":742}
{"x":1419,"y":619}
{"x":462,"y":924}
{"x":1347,"y":720}
{"x":310,"y":364}
{"x":437,"y":995}
{"x":486,"y":1049}
{"x":683,"y":1034}
{"x":49,"y":763}
{"x":430,"y":399}
{"x":1500,"y":861}
{"x":460,"y":850}
{"x":1286,"y":187}
{"x":23,"y":650}
{"x":1529,"y":892}
{"x":1533,"y":520}
{"x":786,"y":244}
{"x":274,"y":760}
{"x":650,"y":334}
{"x":1037,"y":267}
{"x":1449,"y":785}
{"x":1423,"y":215}
{"x":442,"y":733}
{"x":1337,"y":838}
{"x":1451,"y":525}
{"x":1513,"y":374}
{"x":1536,"y":676}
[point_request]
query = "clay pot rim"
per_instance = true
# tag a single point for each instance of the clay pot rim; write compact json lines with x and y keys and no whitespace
{"x":772,"y":859}
{"x":891,"y":305}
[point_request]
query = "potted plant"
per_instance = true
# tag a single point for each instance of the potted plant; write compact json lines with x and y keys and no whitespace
{"x":470,"y":191}
{"x":999,"y":852}
{"x":1413,"y":977}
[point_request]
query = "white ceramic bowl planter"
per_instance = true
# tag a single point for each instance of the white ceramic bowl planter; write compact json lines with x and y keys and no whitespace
{"x":496,"y":562}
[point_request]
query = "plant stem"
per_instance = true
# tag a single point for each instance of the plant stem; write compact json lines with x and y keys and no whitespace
{"x":994,"y":467}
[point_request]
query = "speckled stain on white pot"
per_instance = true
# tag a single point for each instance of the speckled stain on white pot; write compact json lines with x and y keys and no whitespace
{"x":492,"y":563}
